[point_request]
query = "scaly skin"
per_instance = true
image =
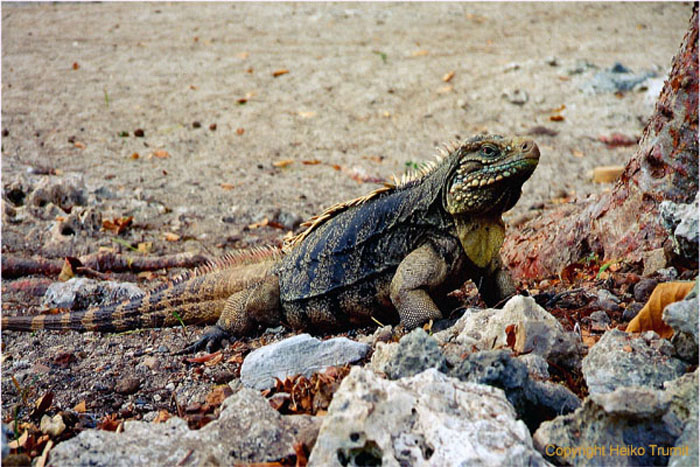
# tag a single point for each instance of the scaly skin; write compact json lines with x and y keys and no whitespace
{"x":392,"y":255}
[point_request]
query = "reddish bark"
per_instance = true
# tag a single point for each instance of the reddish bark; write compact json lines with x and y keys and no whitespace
{"x":625,"y":223}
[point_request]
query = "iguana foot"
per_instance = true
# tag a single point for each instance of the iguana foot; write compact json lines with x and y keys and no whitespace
{"x":210,"y":340}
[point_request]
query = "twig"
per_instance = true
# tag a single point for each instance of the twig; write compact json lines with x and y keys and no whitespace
{"x":15,"y":266}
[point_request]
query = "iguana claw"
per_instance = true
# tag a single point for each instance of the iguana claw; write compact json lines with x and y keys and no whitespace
{"x":210,"y":340}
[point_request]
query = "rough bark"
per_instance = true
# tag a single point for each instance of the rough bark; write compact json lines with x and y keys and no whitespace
{"x":625,"y":223}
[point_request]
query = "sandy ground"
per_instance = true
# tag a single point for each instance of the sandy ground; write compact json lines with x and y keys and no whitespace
{"x":366,"y":93}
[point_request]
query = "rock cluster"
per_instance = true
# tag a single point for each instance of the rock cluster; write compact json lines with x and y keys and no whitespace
{"x":478,"y":392}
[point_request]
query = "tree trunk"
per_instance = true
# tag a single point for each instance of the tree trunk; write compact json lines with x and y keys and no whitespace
{"x":625,"y":223}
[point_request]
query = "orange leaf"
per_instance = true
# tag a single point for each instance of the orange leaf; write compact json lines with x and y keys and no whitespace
{"x":649,"y":318}
{"x":281,"y":72}
{"x":420,"y":53}
{"x":283,"y":163}
{"x":448,"y":76}
{"x":311,"y":162}
{"x":161,"y":154}
{"x":557,"y":118}
{"x":227,"y":186}
{"x":81,"y":407}
{"x":171,"y":237}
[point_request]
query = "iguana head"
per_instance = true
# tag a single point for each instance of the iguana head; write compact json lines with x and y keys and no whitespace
{"x":487,"y":174}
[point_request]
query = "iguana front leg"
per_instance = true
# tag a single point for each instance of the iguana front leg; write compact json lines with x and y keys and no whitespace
{"x":419,"y":272}
{"x":496,"y":285}
{"x":243,"y":312}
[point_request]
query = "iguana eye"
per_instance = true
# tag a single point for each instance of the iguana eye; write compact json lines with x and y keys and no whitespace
{"x":488,"y":151}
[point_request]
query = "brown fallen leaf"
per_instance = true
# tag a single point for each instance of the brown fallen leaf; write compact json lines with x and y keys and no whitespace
{"x":218,"y":394}
{"x":171,"y":237}
{"x":281,"y":72}
{"x":161,"y":154}
{"x":135,"y":156}
{"x":257,"y":225}
{"x":19,"y":442}
{"x":214,"y":361}
{"x":81,"y":407}
{"x":144,"y":247}
{"x":607,"y":173}
{"x":118,"y":224}
{"x":420,"y":53}
{"x":79,"y":145}
{"x":618,"y":139}
{"x":311,"y":162}
{"x":557,"y":118}
{"x":76,"y":66}
{"x":162,"y":417}
{"x":41,"y":461}
{"x":228,"y":186}
{"x":283,"y":163}
{"x":239,"y":131}
{"x":448,"y":76}
{"x":649,"y":317}
{"x":307,"y":114}
{"x":203,"y":358}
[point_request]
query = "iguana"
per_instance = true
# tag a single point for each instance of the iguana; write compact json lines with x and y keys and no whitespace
{"x":392,"y":254}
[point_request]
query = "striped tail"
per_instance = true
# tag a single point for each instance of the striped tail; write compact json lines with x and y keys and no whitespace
{"x":197,"y":297}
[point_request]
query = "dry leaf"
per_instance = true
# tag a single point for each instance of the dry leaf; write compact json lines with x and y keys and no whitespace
{"x":79,"y":145}
{"x":171,"y":237}
{"x":203,"y":358}
{"x":81,"y":407}
{"x":445,"y":89}
{"x":448,"y":76}
{"x":557,"y":118}
{"x":240,"y":131}
{"x":649,"y":318}
{"x":577,"y":153}
{"x":607,"y":174}
{"x":135,"y":155}
{"x":283,"y":163}
{"x":117,"y":225}
{"x":420,"y":53}
{"x":281,"y":72}
{"x":217,"y":359}
{"x":163,"y":416}
{"x":161,"y":154}
{"x":75,"y":65}
{"x":20,"y":442}
{"x":311,"y":162}
{"x":227,"y":186}
{"x":144,"y":247}
{"x":257,"y":225}
{"x":307,"y":114}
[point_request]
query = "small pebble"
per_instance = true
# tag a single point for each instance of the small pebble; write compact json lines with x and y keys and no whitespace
{"x":516,"y":96}
{"x":643,"y":289}
{"x":52,"y":426}
{"x":139,"y":132}
{"x":631,"y":311}
{"x":196,"y":124}
{"x":127,"y":386}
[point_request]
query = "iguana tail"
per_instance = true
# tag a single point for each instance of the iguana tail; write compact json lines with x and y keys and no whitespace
{"x":195,"y":297}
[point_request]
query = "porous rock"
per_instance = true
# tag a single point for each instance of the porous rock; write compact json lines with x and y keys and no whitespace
{"x":247,"y":431}
{"x":427,"y":419}
{"x":632,"y":418}
{"x":681,"y":220}
{"x":539,"y":331}
{"x":620,"y":359}
{"x":80,"y":293}
{"x":534,"y":401}
{"x":682,"y":316}
{"x":300,"y":354}
{"x":417,"y":351}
